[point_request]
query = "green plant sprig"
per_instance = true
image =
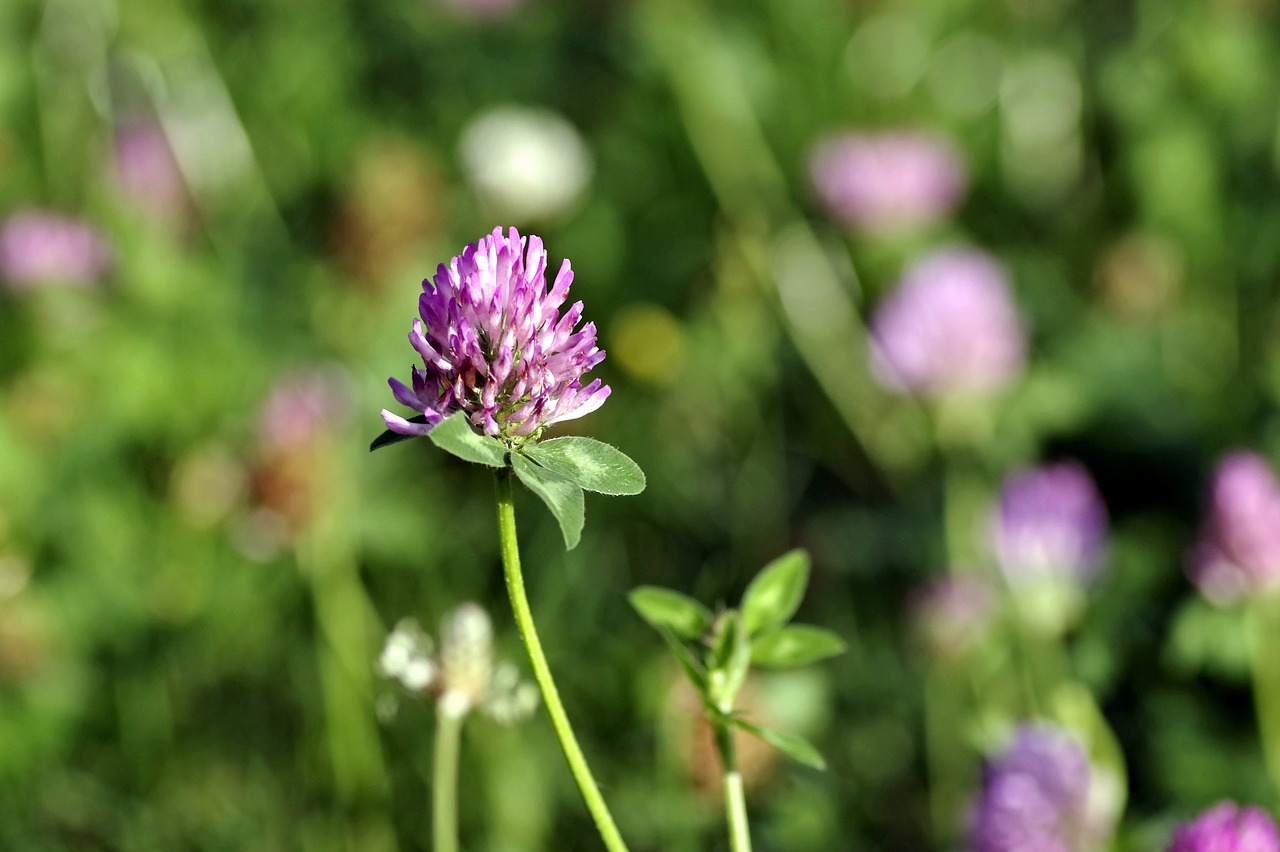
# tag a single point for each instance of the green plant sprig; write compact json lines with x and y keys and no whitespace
{"x":716,"y":652}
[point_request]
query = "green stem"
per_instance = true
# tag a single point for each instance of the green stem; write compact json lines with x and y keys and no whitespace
{"x":444,"y":782}
{"x":735,"y":799}
{"x":1264,"y":626}
{"x":542,"y":672}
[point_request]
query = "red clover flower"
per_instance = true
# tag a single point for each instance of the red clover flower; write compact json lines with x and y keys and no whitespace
{"x":950,"y":327}
{"x":1226,"y":828}
{"x":952,"y":614}
{"x":1239,"y":549}
{"x":1050,"y":524}
{"x":495,"y":345}
{"x":1035,"y":796}
{"x":39,"y":247}
{"x":887,"y":181}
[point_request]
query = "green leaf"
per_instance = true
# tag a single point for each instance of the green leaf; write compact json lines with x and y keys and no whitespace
{"x":388,"y":437}
{"x":562,"y":497}
{"x":795,"y":747}
{"x":680,"y":613}
{"x":731,"y":658}
{"x":795,"y":645}
{"x":455,"y":435}
{"x":776,"y":592}
{"x":590,"y":464}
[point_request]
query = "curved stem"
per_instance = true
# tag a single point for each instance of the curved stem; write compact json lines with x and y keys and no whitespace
{"x":542,"y":672}
{"x":444,"y":787}
{"x":735,"y":799}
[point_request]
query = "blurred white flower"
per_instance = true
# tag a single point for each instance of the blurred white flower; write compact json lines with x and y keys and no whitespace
{"x":460,"y":675}
{"x":407,"y":657}
{"x":525,"y":164}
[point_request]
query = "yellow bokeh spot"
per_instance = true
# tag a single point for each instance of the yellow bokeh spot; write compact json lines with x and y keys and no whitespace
{"x":648,"y":343}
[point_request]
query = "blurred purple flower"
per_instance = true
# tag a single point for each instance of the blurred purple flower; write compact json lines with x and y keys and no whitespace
{"x":494,"y":344}
{"x":896,"y":180}
{"x":1226,"y":828}
{"x":41,"y":247}
{"x":949,"y":327}
{"x":1050,"y":524}
{"x":952,"y":613}
{"x":1035,"y":796}
{"x":1239,"y":548}
{"x":302,"y":407}
{"x":146,"y":171}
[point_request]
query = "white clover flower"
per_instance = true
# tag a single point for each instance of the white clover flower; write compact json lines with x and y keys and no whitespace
{"x":461,"y":676}
{"x":525,"y":164}
{"x":406,"y":657}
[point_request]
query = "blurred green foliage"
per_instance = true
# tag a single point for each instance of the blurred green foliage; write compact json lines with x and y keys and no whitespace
{"x":188,"y":618}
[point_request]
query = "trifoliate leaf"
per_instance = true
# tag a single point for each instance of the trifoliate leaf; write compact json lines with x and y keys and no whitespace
{"x":562,"y":497}
{"x":590,"y":464}
{"x":454,"y":435}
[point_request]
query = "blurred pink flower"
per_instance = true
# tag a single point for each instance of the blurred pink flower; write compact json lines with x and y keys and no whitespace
{"x":949,"y":327}
{"x":1239,"y":548}
{"x":1228,"y":828}
{"x":40,"y":247}
{"x":146,"y":171}
{"x":888,"y":181}
{"x":952,"y":614}
{"x":302,"y":407}
{"x":294,"y":478}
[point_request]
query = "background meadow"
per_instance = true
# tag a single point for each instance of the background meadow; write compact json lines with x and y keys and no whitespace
{"x":214,"y":218}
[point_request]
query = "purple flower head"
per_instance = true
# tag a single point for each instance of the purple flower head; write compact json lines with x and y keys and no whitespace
{"x":949,"y":327}
{"x":1226,"y":828}
{"x":896,"y":180}
{"x":146,"y":171}
{"x":952,"y":613}
{"x":40,"y":247}
{"x":495,"y":345}
{"x":1035,"y":796}
{"x":1050,"y":524}
{"x":1239,"y":548}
